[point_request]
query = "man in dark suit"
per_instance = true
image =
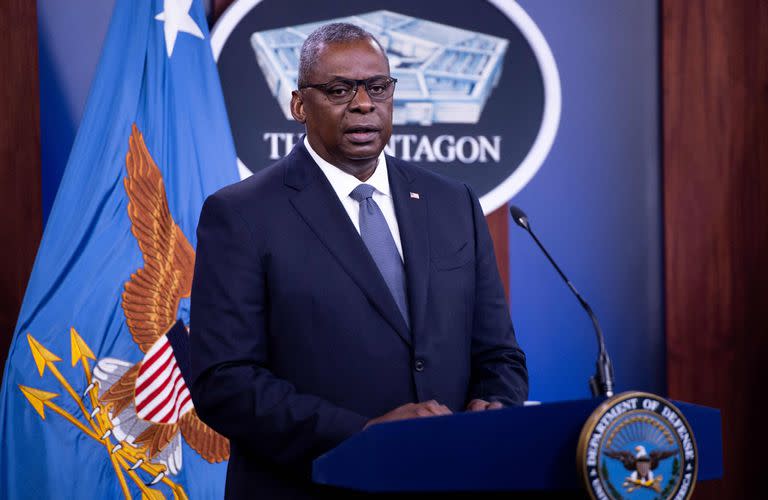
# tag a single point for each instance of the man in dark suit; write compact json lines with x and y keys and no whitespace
{"x":340,"y":287}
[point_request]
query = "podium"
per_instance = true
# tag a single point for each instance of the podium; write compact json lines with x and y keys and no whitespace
{"x":531,"y":448}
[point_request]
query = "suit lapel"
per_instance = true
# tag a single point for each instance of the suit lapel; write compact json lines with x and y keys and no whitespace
{"x":318,"y":205}
{"x":411,"y":211}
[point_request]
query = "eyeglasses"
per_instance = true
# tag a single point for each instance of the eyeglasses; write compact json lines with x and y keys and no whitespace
{"x":343,"y":90}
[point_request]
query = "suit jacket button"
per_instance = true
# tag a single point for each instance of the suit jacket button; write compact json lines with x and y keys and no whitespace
{"x":419,"y":365}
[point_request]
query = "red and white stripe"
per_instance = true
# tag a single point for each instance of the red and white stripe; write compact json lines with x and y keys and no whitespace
{"x":161,"y":395}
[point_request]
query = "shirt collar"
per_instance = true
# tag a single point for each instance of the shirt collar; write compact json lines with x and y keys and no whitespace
{"x":343,"y":183}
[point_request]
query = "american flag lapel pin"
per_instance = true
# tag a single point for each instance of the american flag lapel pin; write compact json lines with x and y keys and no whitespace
{"x":415,"y":196}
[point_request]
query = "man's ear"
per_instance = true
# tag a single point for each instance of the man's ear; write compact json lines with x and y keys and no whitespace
{"x":297,"y":107}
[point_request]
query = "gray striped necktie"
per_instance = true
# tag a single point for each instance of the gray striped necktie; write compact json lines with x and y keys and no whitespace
{"x":381,"y":245}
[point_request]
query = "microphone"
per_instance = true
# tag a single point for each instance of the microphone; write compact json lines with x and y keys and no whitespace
{"x":601,"y":383}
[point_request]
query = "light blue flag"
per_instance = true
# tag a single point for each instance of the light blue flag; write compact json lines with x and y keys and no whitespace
{"x":94,"y":403}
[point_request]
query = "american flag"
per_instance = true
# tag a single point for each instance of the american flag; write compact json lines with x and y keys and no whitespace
{"x":161,"y":394}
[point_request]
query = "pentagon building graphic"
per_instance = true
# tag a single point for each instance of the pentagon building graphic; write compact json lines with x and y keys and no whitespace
{"x":445,"y":74}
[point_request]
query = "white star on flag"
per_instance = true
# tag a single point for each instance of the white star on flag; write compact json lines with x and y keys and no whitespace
{"x":176,"y":17}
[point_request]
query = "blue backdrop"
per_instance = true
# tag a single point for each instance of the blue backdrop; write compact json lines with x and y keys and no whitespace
{"x":595,"y":202}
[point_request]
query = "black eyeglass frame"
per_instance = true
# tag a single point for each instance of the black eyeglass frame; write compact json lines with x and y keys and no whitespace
{"x":356,"y":84}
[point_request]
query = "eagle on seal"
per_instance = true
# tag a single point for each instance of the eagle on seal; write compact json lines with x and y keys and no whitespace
{"x":642,"y":464}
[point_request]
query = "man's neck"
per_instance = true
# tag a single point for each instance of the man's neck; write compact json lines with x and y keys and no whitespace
{"x":362,"y":170}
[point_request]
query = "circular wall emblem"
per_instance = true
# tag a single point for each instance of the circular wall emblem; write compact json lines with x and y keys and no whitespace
{"x":637,"y":445}
{"x":477,"y":98}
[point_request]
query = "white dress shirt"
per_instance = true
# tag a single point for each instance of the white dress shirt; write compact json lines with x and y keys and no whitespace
{"x":344,"y":183}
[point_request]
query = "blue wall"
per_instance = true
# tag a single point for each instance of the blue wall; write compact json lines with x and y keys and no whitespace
{"x":71,"y":33}
{"x":595,"y":202}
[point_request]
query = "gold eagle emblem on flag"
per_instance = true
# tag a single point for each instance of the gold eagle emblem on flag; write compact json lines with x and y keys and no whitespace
{"x":150,"y":401}
{"x":139,"y":412}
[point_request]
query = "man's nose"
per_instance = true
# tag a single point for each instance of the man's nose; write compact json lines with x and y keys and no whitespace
{"x":362,"y":102}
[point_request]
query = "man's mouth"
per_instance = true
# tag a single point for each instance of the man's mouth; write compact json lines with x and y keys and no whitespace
{"x":361,"y":134}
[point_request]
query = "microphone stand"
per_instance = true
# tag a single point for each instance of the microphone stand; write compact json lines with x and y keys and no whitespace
{"x":601,"y":383}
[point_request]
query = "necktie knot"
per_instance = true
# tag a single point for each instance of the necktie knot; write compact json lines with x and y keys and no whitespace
{"x":362,"y":192}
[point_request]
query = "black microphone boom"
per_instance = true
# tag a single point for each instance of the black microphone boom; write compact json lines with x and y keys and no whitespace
{"x":601,"y":383}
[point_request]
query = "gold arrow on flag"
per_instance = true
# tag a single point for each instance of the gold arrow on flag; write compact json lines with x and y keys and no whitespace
{"x":41,"y":399}
{"x":45,"y":359}
{"x":37,"y":398}
{"x":80,"y":350}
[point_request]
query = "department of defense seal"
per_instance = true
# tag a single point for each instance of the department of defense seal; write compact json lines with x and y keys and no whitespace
{"x":637,"y":446}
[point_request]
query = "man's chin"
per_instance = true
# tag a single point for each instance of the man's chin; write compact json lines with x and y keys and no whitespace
{"x":363,"y":152}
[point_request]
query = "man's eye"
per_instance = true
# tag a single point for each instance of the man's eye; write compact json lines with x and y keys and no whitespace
{"x":377,"y":88}
{"x":339,"y":90}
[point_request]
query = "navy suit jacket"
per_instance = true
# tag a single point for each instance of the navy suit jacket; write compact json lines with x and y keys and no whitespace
{"x":296,"y":341}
